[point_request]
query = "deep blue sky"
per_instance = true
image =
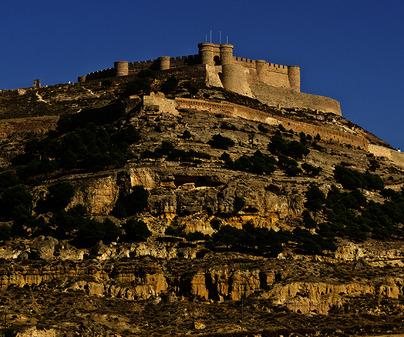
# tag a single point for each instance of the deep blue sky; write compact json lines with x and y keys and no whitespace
{"x":352,"y":50}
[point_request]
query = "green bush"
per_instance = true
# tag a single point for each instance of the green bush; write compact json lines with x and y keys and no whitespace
{"x":238,"y":204}
{"x":308,"y":220}
{"x":168,"y":150}
{"x":196,"y":236}
{"x":263,"y":128}
{"x":90,"y":232}
{"x":315,"y":198}
{"x":259,"y":241}
{"x":281,"y":146}
{"x":169,"y":85}
{"x":58,"y":198}
{"x":258,"y":163}
{"x":351,"y":179}
{"x":174,"y":231}
{"x":132,"y":203}
{"x":5,"y":232}
{"x":311,"y":171}
{"x":16,"y":204}
{"x":289,"y":165}
{"x":220,"y":142}
{"x":186,"y":135}
{"x":136,"y":230}
{"x":8,"y":179}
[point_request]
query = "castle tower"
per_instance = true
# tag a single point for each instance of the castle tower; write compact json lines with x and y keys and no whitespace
{"x":206,"y":52}
{"x":294,"y":77}
{"x":260,"y":66}
{"x":226,"y":53}
{"x":164,"y":62}
{"x":121,"y":68}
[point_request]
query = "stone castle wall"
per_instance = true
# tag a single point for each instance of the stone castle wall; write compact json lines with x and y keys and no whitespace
{"x":382,"y":151}
{"x":284,"y":97}
{"x":325,"y":133}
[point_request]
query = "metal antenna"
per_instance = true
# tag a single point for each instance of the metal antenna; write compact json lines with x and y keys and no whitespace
{"x":210,"y":36}
{"x":220,"y":36}
{"x":206,"y":37}
{"x":227,"y":39}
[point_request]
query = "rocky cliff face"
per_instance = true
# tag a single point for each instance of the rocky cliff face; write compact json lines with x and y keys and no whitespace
{"x":184,"y":238}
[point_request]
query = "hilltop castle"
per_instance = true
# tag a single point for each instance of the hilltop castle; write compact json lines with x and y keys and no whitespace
{"x":273,"y":84}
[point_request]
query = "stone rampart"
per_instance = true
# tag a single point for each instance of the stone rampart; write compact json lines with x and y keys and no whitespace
{"x":101,"y":74}
{"x":325,"y":133}
{"x":381,"y":151}
{"x":288,"y":98}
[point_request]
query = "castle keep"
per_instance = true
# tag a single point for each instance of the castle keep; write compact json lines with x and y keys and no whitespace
{"x":273,"y":84}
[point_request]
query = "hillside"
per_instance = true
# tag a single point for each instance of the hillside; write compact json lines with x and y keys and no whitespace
{"x":197,"y":211}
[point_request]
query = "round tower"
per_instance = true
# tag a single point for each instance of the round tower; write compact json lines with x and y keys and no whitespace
{"x":294,"y":77}
{"x":121,"y":68}
{"x":226,"y":53}
{"x":164,"y":62}
{"x":206,"y":53}
{"x":259,"y":66}
{"x":234,"y":78}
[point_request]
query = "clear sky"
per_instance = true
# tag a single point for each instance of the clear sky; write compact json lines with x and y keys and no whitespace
{"x":352,"y":50}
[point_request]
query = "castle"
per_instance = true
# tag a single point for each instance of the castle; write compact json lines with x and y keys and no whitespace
{"x":273,"y":84}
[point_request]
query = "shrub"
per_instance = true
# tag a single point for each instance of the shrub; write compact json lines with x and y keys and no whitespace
{"x":136,"y":230}
{"x":91,"y":232}
{"x":315,"y":198}
{"x":169,"y":85}
{"x":238,"y":204}
{"x":227,"y":126}
{"x":174,"y":231}
{"x":308,"y":220}
{"x":263,"y":128}
{"x":132,"y":203}
{"x":8,"y":179}
{"x":373,"y":165}
{"x":168,"y":150}
{"x":186,"y":135}
{"x":220,"y":142}
{"x":255,"y":240}
{"x":58,"y":198}
{"x":351,"y":179}
{"x":289,"y":165}
{"x":258,"y":163}
{"x":196,"y":236}
{"x":281,"y":146}
{"x":16,"y":204}
{"x":5,"y":232}
{"x":311,"y":170}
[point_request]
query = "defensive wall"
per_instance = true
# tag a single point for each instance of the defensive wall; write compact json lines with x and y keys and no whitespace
{"x":382,"y":151}
{"x":276,"y":96}
{"x":163,"y":104}
{"x":342,"y":136}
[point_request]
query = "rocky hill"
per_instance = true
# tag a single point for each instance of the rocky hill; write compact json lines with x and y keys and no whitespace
{"x":129,"y":214}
